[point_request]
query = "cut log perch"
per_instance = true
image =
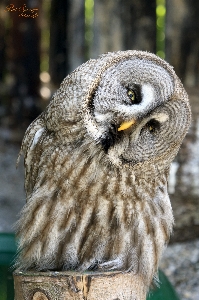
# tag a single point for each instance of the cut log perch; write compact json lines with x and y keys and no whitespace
{"x":71,"y":285}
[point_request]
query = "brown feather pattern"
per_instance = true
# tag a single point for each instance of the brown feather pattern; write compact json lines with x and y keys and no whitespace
{"x":88,"y":208}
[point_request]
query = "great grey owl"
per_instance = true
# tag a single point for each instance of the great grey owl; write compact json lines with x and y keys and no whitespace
{"x":96,"y":167}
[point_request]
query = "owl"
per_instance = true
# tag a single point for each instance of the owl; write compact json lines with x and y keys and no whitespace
{"x":96,"y":168}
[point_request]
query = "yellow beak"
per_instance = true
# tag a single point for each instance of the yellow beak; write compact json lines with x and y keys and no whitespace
{"x":126,"y":125}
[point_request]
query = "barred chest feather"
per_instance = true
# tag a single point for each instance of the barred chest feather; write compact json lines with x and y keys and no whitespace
{"x":93,"y":215}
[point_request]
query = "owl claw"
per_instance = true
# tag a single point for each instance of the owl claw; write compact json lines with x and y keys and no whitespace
{"x":111,"y":265}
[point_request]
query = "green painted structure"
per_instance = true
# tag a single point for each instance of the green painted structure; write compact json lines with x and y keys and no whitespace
{"x":165,"y":291}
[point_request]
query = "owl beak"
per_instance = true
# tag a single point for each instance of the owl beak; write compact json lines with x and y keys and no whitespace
{"x":126,"y":125}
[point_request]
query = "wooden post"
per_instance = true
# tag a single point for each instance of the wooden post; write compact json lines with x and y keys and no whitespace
{"x":71,"y":285}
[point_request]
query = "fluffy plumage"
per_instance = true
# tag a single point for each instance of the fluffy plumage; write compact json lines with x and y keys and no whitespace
{"x":97,"y":196}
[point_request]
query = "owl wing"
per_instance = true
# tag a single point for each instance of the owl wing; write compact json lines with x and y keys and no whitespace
{"x":31,"y":139}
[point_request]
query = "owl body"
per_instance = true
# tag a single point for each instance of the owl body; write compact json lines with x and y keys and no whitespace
{"x":97,"y":162}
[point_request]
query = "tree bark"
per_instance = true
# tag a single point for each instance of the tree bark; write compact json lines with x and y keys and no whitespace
{"x":77,"y":286}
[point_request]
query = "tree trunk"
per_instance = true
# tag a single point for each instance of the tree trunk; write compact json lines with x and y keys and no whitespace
{"x":182,"y":41}
{"x":185,"y":187}
{"x":107,"y":27}
{"x":66,"y":38}
{"x":2,"y":44}
{"x":123,"y":25}
{"x":57,"y":55}
{"x":71,"y":285}
{"x":76,"y":34}
{"x":24,"y":55}
{"x":182,"y":49}
{"x":139,"y":24}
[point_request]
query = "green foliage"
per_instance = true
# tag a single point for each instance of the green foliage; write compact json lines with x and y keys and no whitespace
{"x":45,"y":37}
{"x":89,"y":17}
{"x":160,"y":27}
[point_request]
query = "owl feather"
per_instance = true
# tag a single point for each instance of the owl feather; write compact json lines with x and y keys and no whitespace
{"x":96,"y":168}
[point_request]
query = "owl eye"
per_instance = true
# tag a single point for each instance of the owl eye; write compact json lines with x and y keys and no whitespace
{"x":153,"y":125}
{"x":132,"y":96}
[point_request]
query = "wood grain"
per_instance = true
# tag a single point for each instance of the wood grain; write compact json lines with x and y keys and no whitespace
{"x":71,"y":285}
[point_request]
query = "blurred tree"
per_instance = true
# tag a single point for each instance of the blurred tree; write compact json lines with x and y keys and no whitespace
{"x":139,"y":24}
{"x":76,"y":34}
{"x":57,"y":61}
{"x":24,"y":65}
{"x":121,"y":25}
{"x":2,"y":39}
{"x":160,"y":27}
{"x":182,"y":51}
{"x":66,"y":37}
{"x":182,"y":39}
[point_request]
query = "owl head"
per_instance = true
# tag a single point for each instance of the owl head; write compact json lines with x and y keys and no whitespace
{"x":129,"y":104}
{"x":137,"y":109}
